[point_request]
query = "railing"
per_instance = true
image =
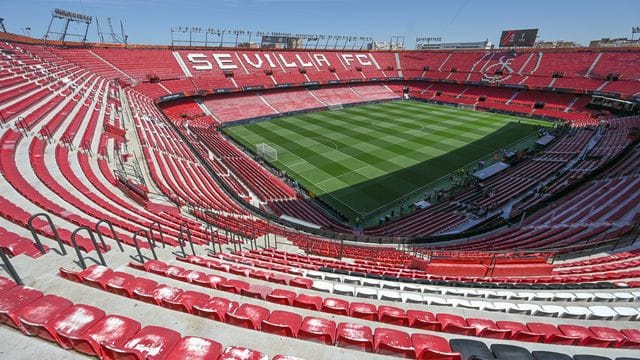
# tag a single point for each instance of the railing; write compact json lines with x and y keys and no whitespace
{"x":152,"y":238}
{"x":181,"y":240}
{"x":36,"y":238}
{"x":267,"y":243}
{"x":104,"y":152}
{"x":133,"y":165}
{"x":95,"y":245}
{"x":86,"y":145}
{"x":149,"y":241}
{"x":46,"y":134}
{"x":9,"y":267}
{"x":250,"y":229}
{"x":68,"y":141}
{"x":21,"y":126}
{"x":213,"y":234}
{"x":231,"y":236}
{"x":113,"y":233}
{"x":138,"y":170}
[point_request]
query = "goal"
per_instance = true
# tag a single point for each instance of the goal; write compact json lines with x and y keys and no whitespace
{"x":467,"y":106}
{"x":335,"y":107}
{"x":267,"y":152}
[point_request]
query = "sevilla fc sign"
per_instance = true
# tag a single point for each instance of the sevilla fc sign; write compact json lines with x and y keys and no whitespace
{"x":248,"y":61}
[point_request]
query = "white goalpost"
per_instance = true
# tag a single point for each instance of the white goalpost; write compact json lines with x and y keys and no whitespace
{"x":467,"y":106}
{"x":267,"y":152}
{"x":335,"y":107}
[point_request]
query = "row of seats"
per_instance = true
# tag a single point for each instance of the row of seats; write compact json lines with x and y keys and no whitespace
{"x":89,"y":330}
{"x":264,"y":184}
{"x":584,"y":70}
{"x":388,"y":314}
{"x":254,"y":317}
{"x":171,"y":161}
{"x":396,"y":272}
{"x":304,"y":209}
{"x":512,"y":100}
{"x":411,"y":293}
{"x":13,"y":244}
{"x":305,"y":265}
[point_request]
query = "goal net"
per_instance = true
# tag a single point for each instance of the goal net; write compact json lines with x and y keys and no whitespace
{"x":267,"y":152}
{"x":335,"y":107}
{"x":467,"y":106}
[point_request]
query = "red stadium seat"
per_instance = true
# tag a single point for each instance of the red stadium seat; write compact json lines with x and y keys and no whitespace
{"x":519,"y":331}
{"x":216,"y":308}
{"x":423,"y":320}
{"x":240,"y":353}
{"x":149,"y":342}
{"x":12,"y":300}
{"x":318,"y":329}
{"x":587,"y":338}
{"x":248,"y":316}
{"x":614,"y":335}
{"x":281,"y":296}
{"x":335,"y":306}
{"x":282,"y":323}
{"x":256,"y":291}
{"x":5,"y":284}
{"x":552,"y":335}
{"x":487,"y":328}
{"x":392,"y":315}
{"x":354,"y":336}
{"x":195,"y":348}
{"x":393,"y":342}
{"x":633,"y":338}
{"x":455,"y":324}
{"x":72,"y":323}
{"x":186,"y":301}
{"x":103,"y":333}
{"x":34,"y":316}
{"x":117,"y":282}
{"x":139,"y":285}
{"x":363,"y":311}
{"x":308,"y":302}
{"x":433,"y":347}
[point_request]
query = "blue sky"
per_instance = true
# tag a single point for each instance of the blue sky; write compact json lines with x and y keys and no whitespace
{"x":149,"y":21}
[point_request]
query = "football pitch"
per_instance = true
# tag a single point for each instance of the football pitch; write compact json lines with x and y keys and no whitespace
{"x":368,"y":159}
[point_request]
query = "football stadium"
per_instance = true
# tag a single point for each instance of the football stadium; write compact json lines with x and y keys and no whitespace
{"x":224,"y":193}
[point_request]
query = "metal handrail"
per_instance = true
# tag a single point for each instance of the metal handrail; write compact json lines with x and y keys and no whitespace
{"x":151,"y":245}
{"x":21,"y":126}
{"x":87,"y":147}
{"x":232,"y":236}
{"x":152,"y":238}
{"x":10,"y":269}
{"x":213,"y":234}
{"x":95,"y":245}
{"x":36,"y":238}
{"x":267,"y":243}
{"x":188,"y":232}
{"x":113,"y":233}
{"x":104,"y":152}
{"x":46,"y":133}
{"x":208,"y":230}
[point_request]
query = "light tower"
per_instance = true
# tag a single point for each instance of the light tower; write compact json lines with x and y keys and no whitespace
{"x":67,"y":17}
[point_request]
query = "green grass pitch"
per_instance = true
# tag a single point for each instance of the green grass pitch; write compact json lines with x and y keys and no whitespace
{"x":368,"y":159}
